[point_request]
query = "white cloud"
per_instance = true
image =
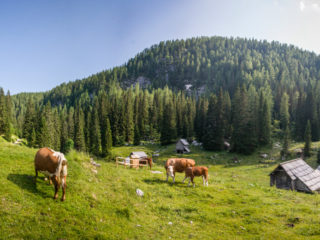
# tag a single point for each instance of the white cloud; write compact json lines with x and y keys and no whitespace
{"x":310,"y":5}
{"x":302,"y":6}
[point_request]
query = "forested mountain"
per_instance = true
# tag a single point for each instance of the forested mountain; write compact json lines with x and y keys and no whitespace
{"x":206,"y":88}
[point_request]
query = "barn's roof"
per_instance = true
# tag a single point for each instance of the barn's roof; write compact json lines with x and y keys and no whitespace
{"x":138,"y":155}
{"x":298,"y":168}
{"x":184,"y":142}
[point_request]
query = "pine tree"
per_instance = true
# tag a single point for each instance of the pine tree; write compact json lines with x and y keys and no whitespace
{"x":3,"y":112}
{"x":129,"y":117}
{"x":106,"y":147}
{"x":215,"y":128}
{"x":7,"y":120}
{"x":244,"y":138}
{"x":284,"y":111}
{"x":264,"y":122}
{"x":209,"y":137}
{"x":168,"y":131}
{"x":136,"y":136}
{"x":33,"y":138}
{"x":64,"y":134}
{"x":307,"y":139}
{"x":285,"y":144}
{"x":95,"y":138}
{"x":78,"y":132}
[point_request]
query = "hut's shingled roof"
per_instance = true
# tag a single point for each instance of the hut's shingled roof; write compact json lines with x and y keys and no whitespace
{"x":298,"y":168}
{"x":138,"y":155}
{"x":184,"y":142}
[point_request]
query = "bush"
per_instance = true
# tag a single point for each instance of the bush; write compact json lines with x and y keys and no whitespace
{"x":69,"y":145}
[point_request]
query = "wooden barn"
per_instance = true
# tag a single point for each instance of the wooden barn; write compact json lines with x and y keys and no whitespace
{"x":296,"y":175}
{"x":182,"y":146}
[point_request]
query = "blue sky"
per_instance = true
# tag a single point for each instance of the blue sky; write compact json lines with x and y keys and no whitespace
{"x":45,"y":43}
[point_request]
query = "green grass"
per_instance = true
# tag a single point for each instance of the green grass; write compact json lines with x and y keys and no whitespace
{"x":238,"y":204}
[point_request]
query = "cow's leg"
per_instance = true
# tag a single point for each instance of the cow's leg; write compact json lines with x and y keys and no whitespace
{"x":35,"y":177}
{"x":193,"y":181}
{"x":50,"y":181}
{"x":167,"y":176}
{"x":174,"y":176}
{"x":189,"y":182}
{"x":185,"y":177}
{"x":56,"y":188}
{"x":64,"y":186}
{"x":203,"y":180}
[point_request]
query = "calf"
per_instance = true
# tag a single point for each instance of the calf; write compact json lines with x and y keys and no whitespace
{"x":174,"y":165}
{"x":54,"y":165}
{"x":192,"y":172}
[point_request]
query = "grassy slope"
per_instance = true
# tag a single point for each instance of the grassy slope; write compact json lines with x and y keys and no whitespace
{"x":238,"y":204}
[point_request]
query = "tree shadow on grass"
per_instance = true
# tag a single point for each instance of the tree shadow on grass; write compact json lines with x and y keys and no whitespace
{"x":26,"y":182}
{"x":157,"y":181}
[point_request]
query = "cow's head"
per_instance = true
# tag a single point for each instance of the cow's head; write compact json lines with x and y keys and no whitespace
{"x":170,"y":171}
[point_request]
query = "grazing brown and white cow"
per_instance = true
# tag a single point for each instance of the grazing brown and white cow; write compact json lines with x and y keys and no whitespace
{"x":192,"y":172}
{"x":174,"y":165}
{"x":54,"y":165}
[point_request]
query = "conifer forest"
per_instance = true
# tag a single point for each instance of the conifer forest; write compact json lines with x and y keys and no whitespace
{"x":211,"y":89}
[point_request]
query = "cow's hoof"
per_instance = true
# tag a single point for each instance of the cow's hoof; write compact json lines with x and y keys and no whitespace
{"x":55,"y":196}
{"x":62,"y":199}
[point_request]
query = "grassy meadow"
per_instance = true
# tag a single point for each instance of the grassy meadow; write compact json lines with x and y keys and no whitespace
{"x":238,"y":204}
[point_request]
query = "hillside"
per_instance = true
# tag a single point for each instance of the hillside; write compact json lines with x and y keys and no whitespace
{"x":238,"y":204}
{"x":245,"y":91}
{"x":206,"y":64}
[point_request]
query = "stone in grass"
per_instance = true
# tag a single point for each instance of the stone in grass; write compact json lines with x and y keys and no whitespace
{"x":170,"y":223}
{"x":139,"y":192}
{"x":94,"y":196}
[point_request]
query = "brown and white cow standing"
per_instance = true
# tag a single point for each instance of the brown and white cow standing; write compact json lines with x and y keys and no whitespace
{"x":54,"y":165}
{"x":192,"y":172}
{"x":174,"y":165}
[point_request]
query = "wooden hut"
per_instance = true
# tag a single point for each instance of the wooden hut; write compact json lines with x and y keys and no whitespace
{"x":295,"y":175}
{"x":182,"y":146}
{"x":136,"y":159}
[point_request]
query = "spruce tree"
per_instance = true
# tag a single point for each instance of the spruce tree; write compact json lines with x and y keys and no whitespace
{"x":137,"y":139}
{"x":307,"y":139}
{"x":244,"y":138}
{"x":7,"y":120}
{"x":33,"y":138}
{"x":264,"y":122}
{"x":285,"y":145}
{"x":106,"y":147}
{"x":95,"y":138}
{"x":78,"y":132}
{"x":168,"y":130}
{"x":284,"y":111}
{"x":209,"y":137}
{"x":3,"y":112}
{"x":214,"y":137}
{"x":129,"y":120}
